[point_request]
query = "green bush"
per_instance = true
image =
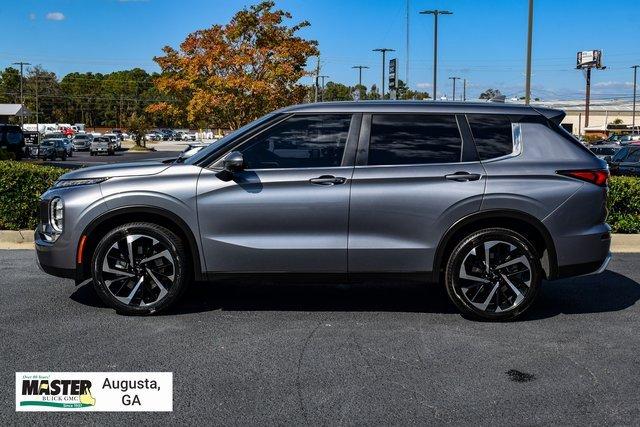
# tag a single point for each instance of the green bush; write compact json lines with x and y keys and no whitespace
{"x":6,"y":155}
{"x":21,"y":185}
{"x":624,"y":204}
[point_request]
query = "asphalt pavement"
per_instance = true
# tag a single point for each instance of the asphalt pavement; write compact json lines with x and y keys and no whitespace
{"x":251,"y":353}
{"x":83,"y":159}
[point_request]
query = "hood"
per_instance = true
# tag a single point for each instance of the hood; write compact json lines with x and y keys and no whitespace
{"x":117,"y":170}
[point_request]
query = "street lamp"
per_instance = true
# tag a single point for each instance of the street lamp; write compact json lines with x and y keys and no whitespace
{"x":527,"y":83}
{"x":633,"y":114}
{"x":435,"y":14}
{"x":384,"y":51}
{"x":454,"y":86}
{"x":322,"y":93}
{"x":360,"y":67}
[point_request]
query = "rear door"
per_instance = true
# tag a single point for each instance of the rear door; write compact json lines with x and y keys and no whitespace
{"x":415,"y":176}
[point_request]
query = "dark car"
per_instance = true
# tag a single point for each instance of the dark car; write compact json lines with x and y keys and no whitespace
{"x":605,"y":151}
{"x":626,"y":161}
{"x":12,"y":140}
{"x":52,"y":149}
{"x":486,"y":200}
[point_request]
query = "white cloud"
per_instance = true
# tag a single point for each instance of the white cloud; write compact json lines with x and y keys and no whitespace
{"x":55,"y":16}
{"x":32,"y":16}
{"x":612,"y":84}
{"x":424,"y":85}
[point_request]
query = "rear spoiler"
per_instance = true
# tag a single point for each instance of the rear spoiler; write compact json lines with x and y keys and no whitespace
{"x":555,"y":116}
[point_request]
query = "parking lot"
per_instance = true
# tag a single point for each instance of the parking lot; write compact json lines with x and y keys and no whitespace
{"x":83,"y":158}
{"x":337,"y":354}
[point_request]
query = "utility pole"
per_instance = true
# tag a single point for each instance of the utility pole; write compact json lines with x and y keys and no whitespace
{"x":384,"y":51}
{"x":21,"y":64}
{"x":315,"y":98}
{"x":587,"y":99}
{"x":435,"y":14}
{"x":527,"y":84}
{"x":360,"y":67}
{"x":453,"y":98}
{"x":633,"y":117}
{"x":464,"y":89}
{"x":406,"y":71}
{"x":322,"y":93}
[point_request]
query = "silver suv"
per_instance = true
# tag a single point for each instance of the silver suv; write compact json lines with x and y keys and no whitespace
{"x":486,"y":199}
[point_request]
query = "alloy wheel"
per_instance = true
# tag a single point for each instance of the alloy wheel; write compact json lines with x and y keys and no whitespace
{"x":495,"y":276}
{"x":138,"y":270}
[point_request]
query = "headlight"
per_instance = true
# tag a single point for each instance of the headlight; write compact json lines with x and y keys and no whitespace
{"x":63,"y":183}
{"x":56,"y":214}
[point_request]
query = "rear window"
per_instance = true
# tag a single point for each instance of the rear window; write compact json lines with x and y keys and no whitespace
{"x":492,"y":134}
{"x":403,"y":139}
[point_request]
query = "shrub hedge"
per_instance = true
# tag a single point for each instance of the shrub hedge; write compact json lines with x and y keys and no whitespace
{"x":21,"y":185}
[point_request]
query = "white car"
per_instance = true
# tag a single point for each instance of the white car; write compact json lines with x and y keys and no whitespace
{"x":189,"y":136}
{"x":115,"y":139}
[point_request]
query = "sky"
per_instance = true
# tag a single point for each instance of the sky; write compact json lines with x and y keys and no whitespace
{"x":483,"y":41}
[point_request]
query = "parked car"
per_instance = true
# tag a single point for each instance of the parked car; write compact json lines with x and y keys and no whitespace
{"x":12,"y":140}
{"x":82,"y":141}
{"x":102,"y":145}
{"x":612,"y":139}
{"x":605,"y":151}
{"x":52,"y":148}
{"x":626,"y":161}
{"x":627,"y":139}
{"x":189,"y":136}
{"x":152,"y":136}
{"x":473,"y":196}
{"x":68,"y":146}
{"x":115,"y":139}
{"x":190,"y":150}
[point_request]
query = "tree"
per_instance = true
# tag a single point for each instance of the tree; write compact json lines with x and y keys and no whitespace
{"x":228,"y":75}
{"x":337,"y":92}
{"x":490,"y":93}
{"x":10,"y":86}
{"x":138,"y":127}
{"x":618,"y":121}
{"x":404,"y":92}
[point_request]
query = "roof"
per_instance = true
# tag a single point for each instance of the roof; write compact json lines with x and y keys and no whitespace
{"x":13,"y":110}
{"x":412,"y":107}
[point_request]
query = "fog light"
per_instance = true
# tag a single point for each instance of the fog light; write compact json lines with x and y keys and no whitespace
{"x":56,"y":214}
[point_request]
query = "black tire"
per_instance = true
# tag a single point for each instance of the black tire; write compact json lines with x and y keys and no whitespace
{"x":64,"y":157}
{"x":497,"y":294}
{"x":141,"y":301}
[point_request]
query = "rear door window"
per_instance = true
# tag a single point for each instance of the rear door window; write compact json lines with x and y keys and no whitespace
{"x":404,"y":139}
{"x":492,"y":134}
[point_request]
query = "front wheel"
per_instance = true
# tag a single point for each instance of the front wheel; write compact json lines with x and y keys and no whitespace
{"x":493,"y":274}
{"x":140,"y":268}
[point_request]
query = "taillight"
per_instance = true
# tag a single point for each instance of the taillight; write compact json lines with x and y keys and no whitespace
{"x":597,"y":176}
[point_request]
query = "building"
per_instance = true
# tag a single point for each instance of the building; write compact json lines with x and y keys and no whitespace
{"x":602,"y":114}
{"x":12,"y":110}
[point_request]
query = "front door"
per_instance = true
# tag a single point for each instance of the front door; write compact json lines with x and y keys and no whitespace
{"x":287,"y":211}
{"x":413,"y":179}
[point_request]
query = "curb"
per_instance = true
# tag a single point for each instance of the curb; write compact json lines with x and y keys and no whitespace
{"x":11,"y":236}
{"x":23,"y":239}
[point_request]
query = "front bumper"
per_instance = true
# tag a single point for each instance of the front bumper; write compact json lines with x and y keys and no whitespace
{"x":50,"y":259}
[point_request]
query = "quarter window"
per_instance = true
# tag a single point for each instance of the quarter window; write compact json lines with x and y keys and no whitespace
{"x":401,"y":139}
{"x":492,"y":134}
{"x":303,"y":141}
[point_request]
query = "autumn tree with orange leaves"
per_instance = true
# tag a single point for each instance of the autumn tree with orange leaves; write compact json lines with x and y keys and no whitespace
{"x":228,"y":75}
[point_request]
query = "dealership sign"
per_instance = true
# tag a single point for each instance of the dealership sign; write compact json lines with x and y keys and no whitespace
{"x":94,"y":391}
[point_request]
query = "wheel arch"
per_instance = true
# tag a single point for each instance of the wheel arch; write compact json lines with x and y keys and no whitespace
{"x":112,"y":218}
{"x":521,"y":222}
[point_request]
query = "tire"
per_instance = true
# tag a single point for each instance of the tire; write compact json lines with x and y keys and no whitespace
{"x":148,"y":287}
{"x":500,"y":292}
{"x":63,"y":157}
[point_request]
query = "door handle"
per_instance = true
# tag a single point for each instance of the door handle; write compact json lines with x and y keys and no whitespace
{"x":327,"y":180}
{"x":463,"y":176}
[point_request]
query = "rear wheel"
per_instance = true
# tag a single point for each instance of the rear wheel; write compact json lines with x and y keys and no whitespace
{"x":493,"y":274}
{"x":140,"y":268}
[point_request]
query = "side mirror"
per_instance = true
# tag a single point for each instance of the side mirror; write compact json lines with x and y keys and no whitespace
{"x":234,"y":162}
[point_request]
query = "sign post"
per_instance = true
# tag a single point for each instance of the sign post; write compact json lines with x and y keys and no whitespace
{"x":393,"y":78}
{"x":586,"y":60}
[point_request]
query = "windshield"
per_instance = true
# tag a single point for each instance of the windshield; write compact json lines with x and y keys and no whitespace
{"x":47,"y":142}
{"x":620,"y":154}
{"x":225,"y":140}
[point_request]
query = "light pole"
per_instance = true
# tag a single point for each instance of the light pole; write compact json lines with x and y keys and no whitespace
{"x":435,"y":14}
{"x":322,"y":92}
{"x":527,"y":84}
{"x":360,"y":67}
{"x":21,"y":64}
{"x":454,"y":86}
{"x":633,"y":116}
{"x":384,"y":51}
{"x":464,"y":89}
